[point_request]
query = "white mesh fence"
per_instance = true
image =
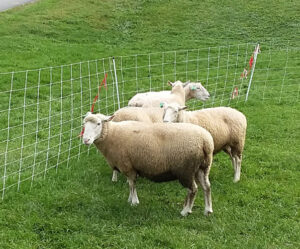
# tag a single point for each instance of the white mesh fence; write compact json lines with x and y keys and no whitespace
{"x":41,"y":110}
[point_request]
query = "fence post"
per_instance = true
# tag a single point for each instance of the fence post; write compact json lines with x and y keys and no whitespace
{"x":252,"y":71}
{"x":116,"y":80}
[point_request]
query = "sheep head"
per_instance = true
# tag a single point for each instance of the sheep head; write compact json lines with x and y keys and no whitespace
{"x":93,"y":124}
{"x":171,"y":112}
{"x":196,"y":90}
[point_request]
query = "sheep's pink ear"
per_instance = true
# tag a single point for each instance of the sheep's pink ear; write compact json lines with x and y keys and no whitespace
{"x":170,"y":83}
{"x":109,"y":118}
{"x":180,"y":108}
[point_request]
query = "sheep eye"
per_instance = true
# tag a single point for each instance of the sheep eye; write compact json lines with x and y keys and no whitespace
{"x":98,"y":123}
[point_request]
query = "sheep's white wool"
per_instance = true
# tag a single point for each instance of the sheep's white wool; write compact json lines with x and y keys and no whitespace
{"x":226,"y":125}
{"x":153,"y":99}
{"x":147,"y":115}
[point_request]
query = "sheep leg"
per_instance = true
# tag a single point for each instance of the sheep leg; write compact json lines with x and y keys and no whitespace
{"x":190,"y":199}
{"x":233,"y":159}
{"x":133,"y":198}
{"x":205,"y":184}
{"x":237,"y":168}
{"x":236,"y":163}
{"x":114,"y":176}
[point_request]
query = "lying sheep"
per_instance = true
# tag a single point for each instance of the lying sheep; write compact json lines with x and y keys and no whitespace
{"x":159,"y":152}
{"x":226,"y":125}
{"x":148,"y":99}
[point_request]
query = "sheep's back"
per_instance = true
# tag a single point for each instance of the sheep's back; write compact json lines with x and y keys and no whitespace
{"x":148,"y":115}
{"x":226,"y":125}
{"x":142,"y":99}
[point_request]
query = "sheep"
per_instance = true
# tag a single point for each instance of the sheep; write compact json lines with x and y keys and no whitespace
{"x":226,"y":125}
{"x":177,"y":95}
{"x":148,"y":99}
{"x":147,"y":115}
{"x":160,"y":152}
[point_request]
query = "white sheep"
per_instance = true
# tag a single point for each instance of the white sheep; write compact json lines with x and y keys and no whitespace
{"x":191,"y":90}
{"x":226,"y":125}
{"x":147,"y":115}
{"x":159,"y":152}
{"x":176,"y":95}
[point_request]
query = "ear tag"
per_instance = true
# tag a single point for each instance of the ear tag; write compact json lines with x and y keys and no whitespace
{"x":193,"y":88}
{"x":161,"y":105}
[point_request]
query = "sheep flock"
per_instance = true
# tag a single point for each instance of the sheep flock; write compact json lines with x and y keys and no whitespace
{"x":156,"y":138}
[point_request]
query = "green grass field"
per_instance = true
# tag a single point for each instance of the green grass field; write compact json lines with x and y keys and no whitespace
{"x":77,"y":205}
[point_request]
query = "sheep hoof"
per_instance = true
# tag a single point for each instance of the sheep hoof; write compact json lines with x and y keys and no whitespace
{"x":236,"y":180}
{"x":185,"y":212}
{"x":134,"y":203}
{"x":208,"y":212}
{"x":114,"y":179}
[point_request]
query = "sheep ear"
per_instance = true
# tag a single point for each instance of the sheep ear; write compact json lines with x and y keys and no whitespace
{"x":109,"y":118}
{"x":180,"y":108}
{"x":170,"y":83}
{"x":186,"y":83}
{"x":87,"y":114}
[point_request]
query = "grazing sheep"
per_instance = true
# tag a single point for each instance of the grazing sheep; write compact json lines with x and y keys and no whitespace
{"x":226,"y":125}
{"x":191,"y":90}
{"x":159,"y":152}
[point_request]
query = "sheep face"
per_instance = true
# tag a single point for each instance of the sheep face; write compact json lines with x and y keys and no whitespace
{"x":93,"y":124}
{"x":198,"y":91}
{"x":92,"y":131}
{"x":171,"y":112}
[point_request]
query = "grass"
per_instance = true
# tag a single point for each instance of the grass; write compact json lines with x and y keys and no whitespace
{"x":79,"y":207}
{"x":55,"y":32}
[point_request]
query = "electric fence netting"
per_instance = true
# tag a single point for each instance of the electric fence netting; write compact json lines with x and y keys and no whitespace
{"x":41,"y":110}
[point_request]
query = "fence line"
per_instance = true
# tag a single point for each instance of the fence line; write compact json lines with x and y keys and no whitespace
{"x":53,"y":100}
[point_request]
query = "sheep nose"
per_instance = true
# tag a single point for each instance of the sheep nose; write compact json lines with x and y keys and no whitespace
{"x":86,"y":140}
{"x":166,"y":121}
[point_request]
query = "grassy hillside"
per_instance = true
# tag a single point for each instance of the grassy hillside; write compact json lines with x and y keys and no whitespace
{"x":54,"y":32}
{"x":79,"y":207}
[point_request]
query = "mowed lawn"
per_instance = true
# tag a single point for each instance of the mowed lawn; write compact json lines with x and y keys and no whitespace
{"x":80,"y":207}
